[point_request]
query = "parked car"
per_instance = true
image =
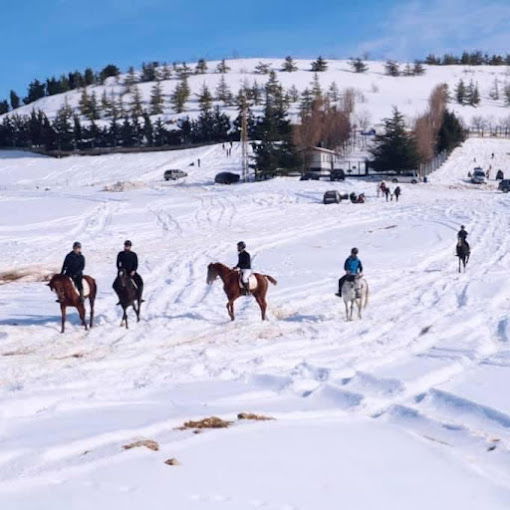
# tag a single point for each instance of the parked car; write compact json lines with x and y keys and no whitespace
{"x":504,"y":185}
{"x":411,"y":177}
{"x":478,"y":176}
{"x":173,"y":175}
{"x":337,"y":175}
{"x":226,"y":178}
{"x":332,"y":197}
{"x":310,"y":176}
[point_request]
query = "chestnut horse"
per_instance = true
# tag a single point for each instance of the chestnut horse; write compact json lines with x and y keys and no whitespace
{"x":68,"y":296}
{"x":232,"y":288}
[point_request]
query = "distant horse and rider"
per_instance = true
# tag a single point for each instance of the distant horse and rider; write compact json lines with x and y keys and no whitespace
{"x":241,"y":281}
{"x":463,"y":250}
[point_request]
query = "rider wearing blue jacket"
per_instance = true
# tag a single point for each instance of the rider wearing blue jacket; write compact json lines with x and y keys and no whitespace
{"x":352,"y":267}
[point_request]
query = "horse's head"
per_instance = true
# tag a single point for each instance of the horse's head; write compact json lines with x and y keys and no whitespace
{"x":212,"y":273}
{"x":57,"y":285}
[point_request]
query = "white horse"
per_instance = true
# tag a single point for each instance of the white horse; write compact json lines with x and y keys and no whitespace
{"x":355,"y":291}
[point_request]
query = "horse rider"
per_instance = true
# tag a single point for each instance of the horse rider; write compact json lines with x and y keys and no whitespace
{"x":73,"y":267}
{"x":244,"y":266}
{"x":462,"y":236}
{"x":127,"y":260}
{"x":352,"y":267}
{"x":397,"y":193}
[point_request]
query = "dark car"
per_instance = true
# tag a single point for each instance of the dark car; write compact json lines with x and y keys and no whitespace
{"x":173,"y":175}
{"x":226,"y":178}
{"x":310,"y":176}
{"x":337,"y":175}
{"x":504,"y":185}
{"x":332,"y":197}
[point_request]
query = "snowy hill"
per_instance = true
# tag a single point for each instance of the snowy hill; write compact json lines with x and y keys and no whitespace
{"x":375,"y":92}
{"x":406,"y":408}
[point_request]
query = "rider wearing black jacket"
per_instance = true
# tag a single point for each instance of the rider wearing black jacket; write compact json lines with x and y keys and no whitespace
{"x":462,"y":236}
{"x":127,"y":260}
{"x":73,"y":266}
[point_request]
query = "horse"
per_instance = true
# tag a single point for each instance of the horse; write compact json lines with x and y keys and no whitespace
{"x":232,"y":286}
{"x":128,"y":294}
{"x":68,"y":295}
{"x":463,"y":252}
{"x":355,"y":290}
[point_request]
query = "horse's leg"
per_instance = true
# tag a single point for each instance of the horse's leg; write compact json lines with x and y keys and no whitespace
{"x":230,"y":309}
{"x":346,"y":310}
{"x":81,"y":311}
{"x":263,"y":305}
{"x":137,"y":309}
{"x":91,"y":302}
{"x":359,"y":303}
{"x":63,"y":314}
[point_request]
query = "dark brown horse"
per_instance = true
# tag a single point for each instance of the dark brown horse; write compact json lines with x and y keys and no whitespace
{"x":232,"y":288}
{"x":68,"y":296}
{"x":463,"y":252}
{"x":128,"y":294}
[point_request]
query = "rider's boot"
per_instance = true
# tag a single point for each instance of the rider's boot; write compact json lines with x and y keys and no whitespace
{"x":246,"y":288}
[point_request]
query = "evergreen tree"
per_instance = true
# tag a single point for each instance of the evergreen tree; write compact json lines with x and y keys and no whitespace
{"x":205,"y":99}
{"x":15,"y":100}
{"x":358,"y":65}
{"x":395,"y":149}
{"x":289,"y":65}
{"x":262,"y":68}
{"x":319,"y":66}
{"x":201,"y":67}
{"x":306,"y":101}
{"x":392,"y":68}
{"x":451,"y":133}
{"x":108,"y":71}
{"x":148,"y":130}
{"x":63,"y":128}
{"x":36,"y":90}
{"x":460,"y":92}
{"x":89,"y":77}
{"x":316,"y":87}
{"x":77,"y":132}
{"x":222,"y":67}
{"x":506,"y":92}
{"x":223,"y":92}
{"x":136,"y":103}
{"x":130,"y":79}
{"x":494,"y":91}
{"x":126,"y":133}
{"x":418,"y":69}
{"x":333,"y":93}
{"x":107,"y":104}
{"x":84,"y":104}
{"x":293,"y":94}
{"x":156,"y":99}
{"x":180,"y":95}
{"x":408,"y":70}
{"x":149,"y":71}
{"x":165,"y":72}
{"x":4,"y":106}
{"x":94,"y":107}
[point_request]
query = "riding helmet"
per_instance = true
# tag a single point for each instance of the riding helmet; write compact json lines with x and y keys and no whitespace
{"x":354,"y":251}
{"x":462,"y":227}
{"x":128,"y":243}
{"x":241,"y":245}
{"x":76,"y":244}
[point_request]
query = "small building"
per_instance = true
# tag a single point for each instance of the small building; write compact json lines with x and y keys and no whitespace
{"x":320,"y":160}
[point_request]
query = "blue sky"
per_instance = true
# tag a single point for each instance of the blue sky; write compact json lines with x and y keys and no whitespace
{"x":41,"y":38}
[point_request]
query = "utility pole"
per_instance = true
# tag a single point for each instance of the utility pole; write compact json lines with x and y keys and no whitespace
{"x":244,"y":143}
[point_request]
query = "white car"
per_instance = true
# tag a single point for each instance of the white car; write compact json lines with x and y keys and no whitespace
{"x":411,"y":177}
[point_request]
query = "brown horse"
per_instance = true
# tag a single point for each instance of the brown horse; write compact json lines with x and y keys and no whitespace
{"x":232,"y":288}
{"x":68,"y":296}
{"x":129,"y":295}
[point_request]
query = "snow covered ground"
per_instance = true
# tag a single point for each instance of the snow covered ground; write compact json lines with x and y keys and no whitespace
{"x":407,"y":408}
{"x":376,"y":94}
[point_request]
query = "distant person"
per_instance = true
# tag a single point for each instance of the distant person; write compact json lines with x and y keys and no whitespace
{"x":378,"y":189}
{"x":198,"y":162}
{"x":397,"y":193}
{"x":387,"y":193}
{"x":462,"y":236}
{"x":492,"y":155}
{"x":73,"y":267}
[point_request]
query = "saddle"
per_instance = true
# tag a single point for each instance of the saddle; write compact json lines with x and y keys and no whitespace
{"x":252,"y":281}
{"x":86,"y":287}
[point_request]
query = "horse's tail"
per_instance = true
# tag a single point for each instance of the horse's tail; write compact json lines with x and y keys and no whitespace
{"x":365,"y":304}
{"x":271,"y":279}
